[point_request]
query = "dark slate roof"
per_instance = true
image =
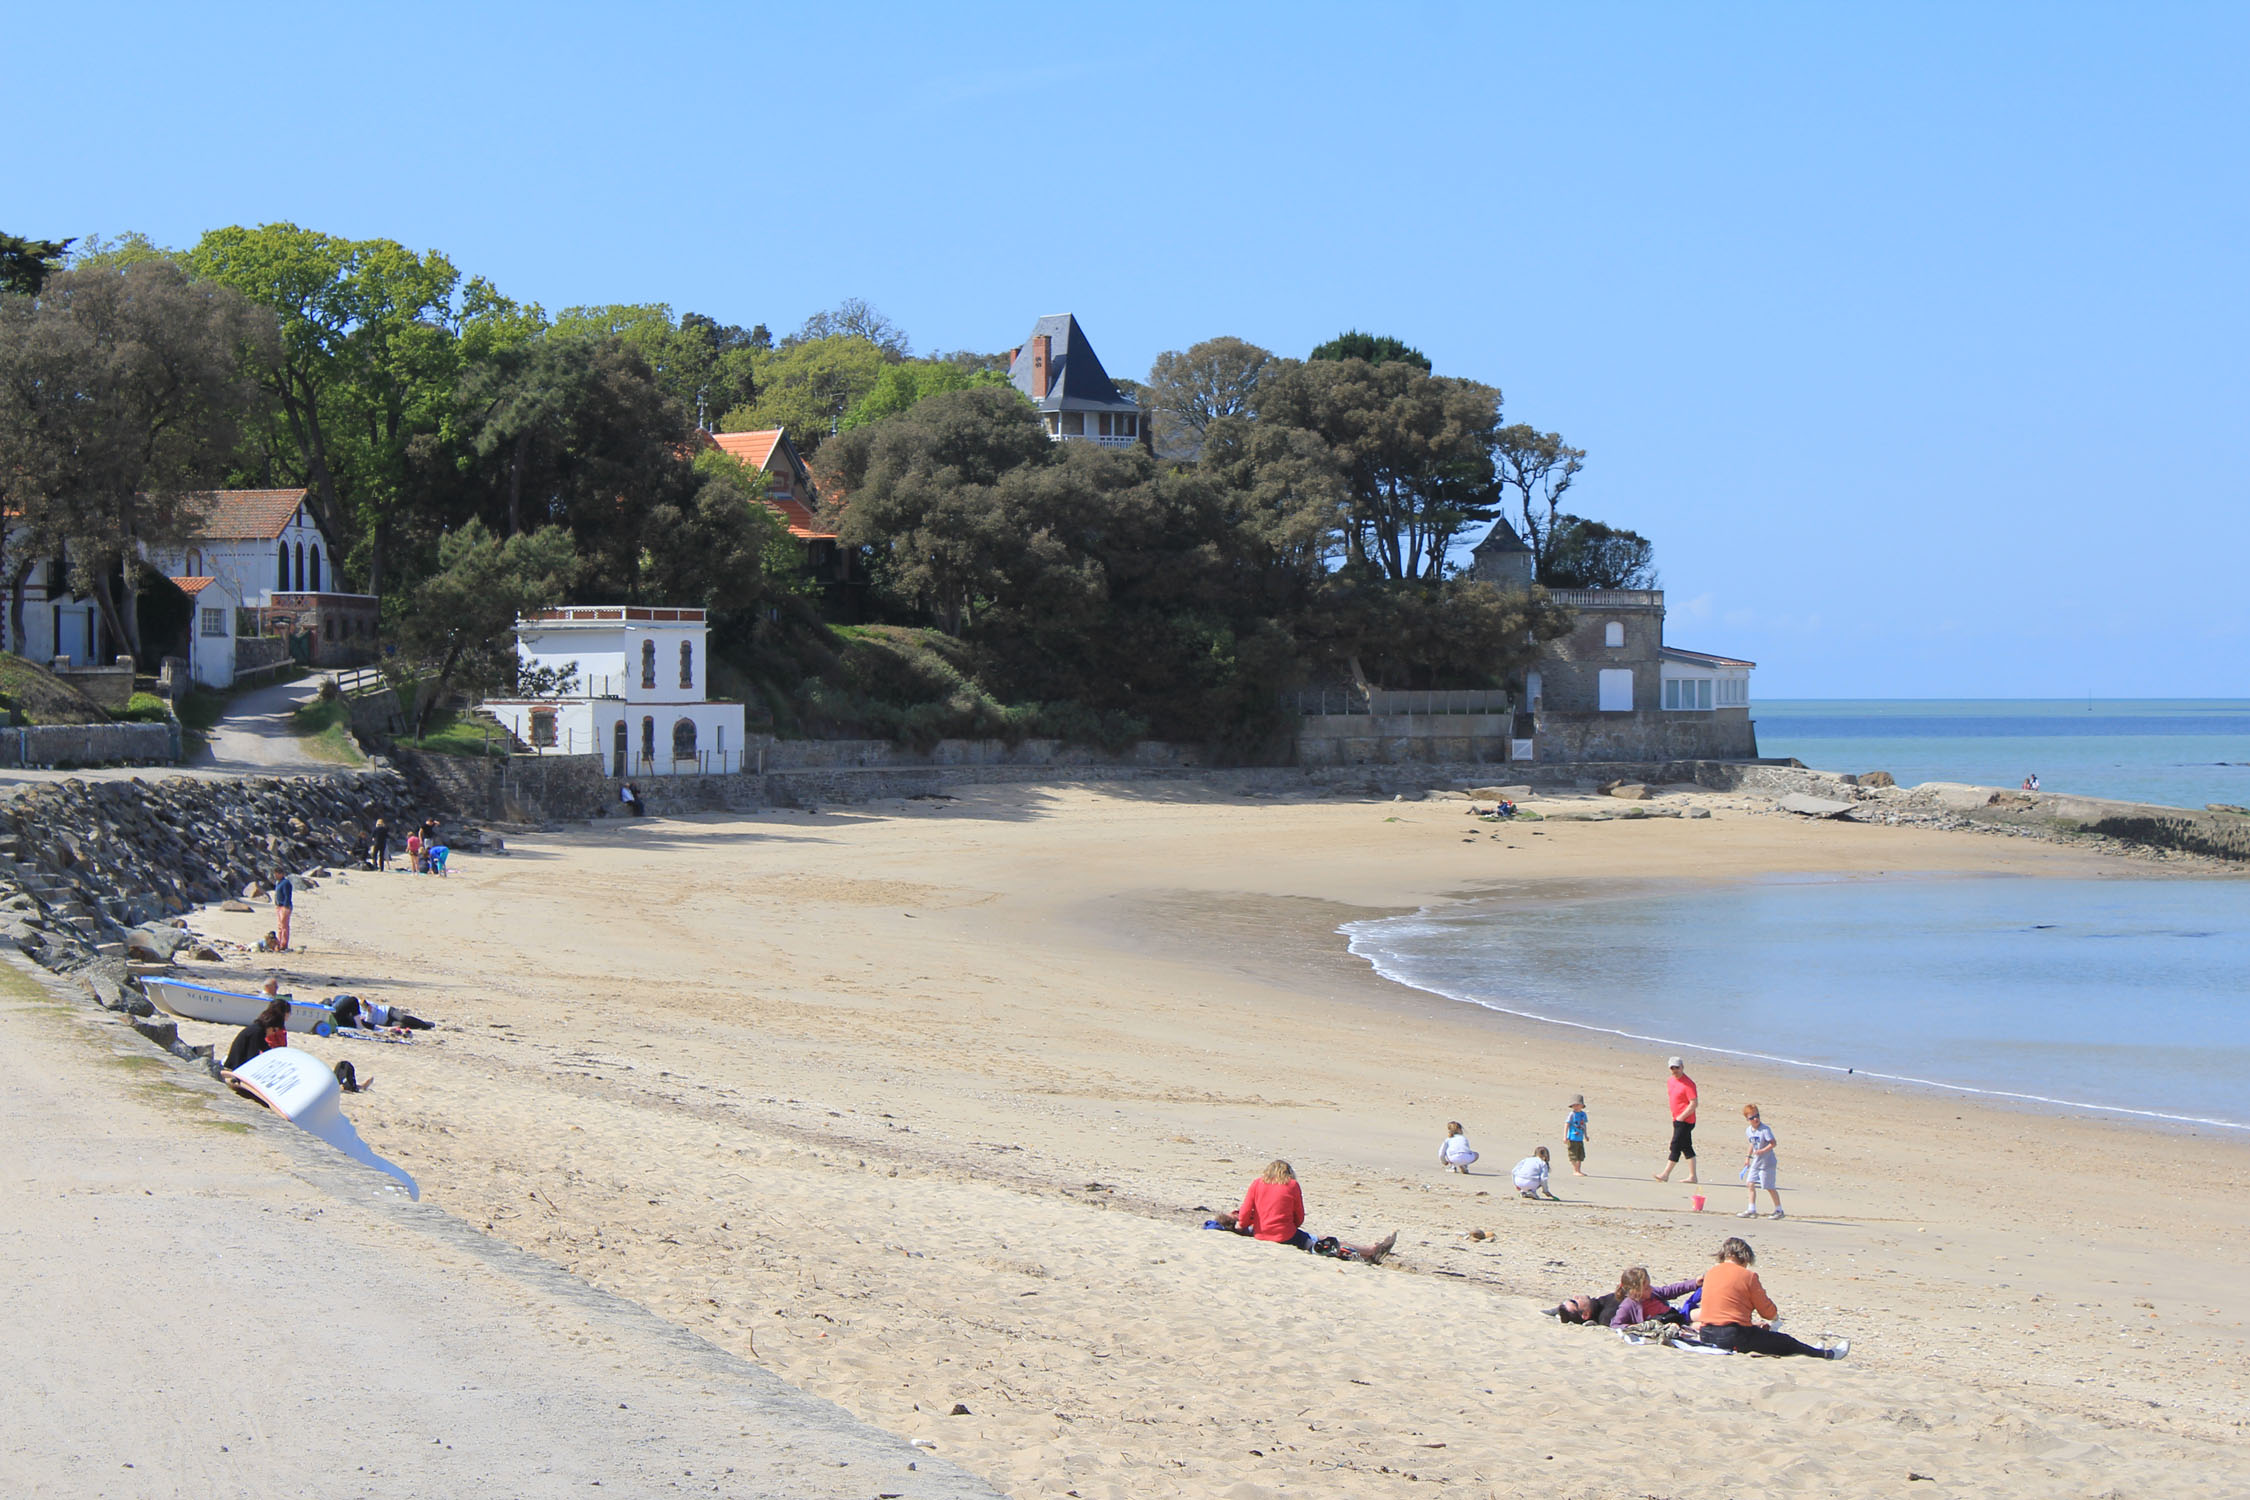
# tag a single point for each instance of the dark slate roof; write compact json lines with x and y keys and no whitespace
{"x":1705,"y":658}
{"x":1501,"y":538}
{"x":1076,"y":380}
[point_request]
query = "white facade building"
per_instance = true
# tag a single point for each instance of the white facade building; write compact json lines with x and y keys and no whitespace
{"x":1698,"y":682}
{"x":211,"y":630}
{"x":260,"y":541}
{"x":638,"y":697}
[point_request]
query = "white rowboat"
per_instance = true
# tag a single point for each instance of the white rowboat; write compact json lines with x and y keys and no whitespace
{"x":300,"y":1086}
{"x":196,"y":1002}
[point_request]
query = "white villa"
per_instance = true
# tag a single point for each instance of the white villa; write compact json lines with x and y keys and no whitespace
{"x":638,"y":698}
{"x":211,"y":629}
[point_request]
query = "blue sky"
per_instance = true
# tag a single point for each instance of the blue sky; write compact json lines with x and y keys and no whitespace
{"x":1913,"y":335}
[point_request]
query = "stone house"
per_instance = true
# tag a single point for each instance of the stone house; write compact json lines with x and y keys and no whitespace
{"x":639,"y":697}
{"x":1613,"y":688}
{"x":1058,"y":369}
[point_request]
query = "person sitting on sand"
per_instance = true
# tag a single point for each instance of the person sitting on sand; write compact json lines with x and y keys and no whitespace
{"x":1733,"y":1302}
{"x":1455,"y":1154}
{"x":1326,"y":1244}
{"x":375,"y":1016}
{"x":269,"y":1030}
{"x":1273,"y":1208}
{"x":1531,"y":1175}
{"x":1639,"y":1302}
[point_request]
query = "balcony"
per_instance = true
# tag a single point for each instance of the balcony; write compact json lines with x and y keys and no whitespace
{"x":1609,"y":598}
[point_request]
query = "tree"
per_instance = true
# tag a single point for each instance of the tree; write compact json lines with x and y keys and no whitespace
{"x":1539,"y":467}
{"x":462,"y":617}
{"x":122,"y":396}
{"x":26,"y":264}
{"x":807,"y":386}
{"x":1586,"y":554}
{"x":366,"y":363}
{"x":700,"y":362}
{"x":94,"y":253}
{"x":1416,"y":449}
{"x":852,"y":318}
{"x":1189,"y":390}
{"x":901,"y":385}
{"x":1376,"y":349}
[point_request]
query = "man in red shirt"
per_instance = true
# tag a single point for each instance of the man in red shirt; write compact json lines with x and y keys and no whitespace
{"x":1681,"y":1089}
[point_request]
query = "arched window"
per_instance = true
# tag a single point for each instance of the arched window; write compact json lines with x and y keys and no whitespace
{"x":648,"y":664}
{"x":1613,"y":634}
{"x":316,"y":568}
{"x":683,"y":739}
{"x":648,"y":740}
{"x":687,"y":664}
{"x":300,"y":567}
{"x":281,"y":579}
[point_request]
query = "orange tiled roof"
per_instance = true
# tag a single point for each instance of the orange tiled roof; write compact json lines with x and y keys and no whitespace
{"x":753,"y":448}
{"x":757,"y":450}
{"x":259,"y":515}
{"x":193,"y":586}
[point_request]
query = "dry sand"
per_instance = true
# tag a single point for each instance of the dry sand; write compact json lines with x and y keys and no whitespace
{"x":920,"y":1104}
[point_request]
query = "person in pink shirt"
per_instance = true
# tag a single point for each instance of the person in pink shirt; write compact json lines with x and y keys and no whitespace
{"x":1681,"y":1090}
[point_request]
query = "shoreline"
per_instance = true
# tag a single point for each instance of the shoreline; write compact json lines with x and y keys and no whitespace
{"x":2163,"y":1122}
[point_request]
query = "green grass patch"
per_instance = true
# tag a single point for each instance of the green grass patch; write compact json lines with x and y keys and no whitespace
{"x":201,"y":709}
{"x":324,"y":725}
{"x":30,"y":694}
{"x":461,"y":732}
{"x":145,"y":708}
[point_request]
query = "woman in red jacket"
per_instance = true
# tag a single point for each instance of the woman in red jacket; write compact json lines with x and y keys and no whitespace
{"x":1273,"y":1209}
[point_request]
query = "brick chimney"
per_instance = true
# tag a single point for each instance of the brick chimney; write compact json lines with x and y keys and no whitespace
{"x":1041,"y":351}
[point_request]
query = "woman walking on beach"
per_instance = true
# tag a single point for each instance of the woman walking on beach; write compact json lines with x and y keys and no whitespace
{"x":1760,"y":1167}
{"x":1681,"y":1090}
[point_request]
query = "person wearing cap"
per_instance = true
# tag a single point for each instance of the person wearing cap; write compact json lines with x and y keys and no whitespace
{"x":1681,"y":1090}
{"x":1574,"y":1135}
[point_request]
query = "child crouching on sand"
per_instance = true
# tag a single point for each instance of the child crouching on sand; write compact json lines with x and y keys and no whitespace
{"x":1455,"y":1154}
{"x":1531,"y":1175}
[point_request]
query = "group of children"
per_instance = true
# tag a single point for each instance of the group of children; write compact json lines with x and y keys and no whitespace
{"x":1531,"y":1173}
{"x":1759,"y":1168}
{"x":424,"y":854}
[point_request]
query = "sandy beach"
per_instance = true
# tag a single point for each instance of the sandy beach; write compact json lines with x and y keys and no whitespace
{"x":920,"y":1105}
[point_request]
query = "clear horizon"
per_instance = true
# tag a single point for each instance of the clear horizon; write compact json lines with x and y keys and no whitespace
{"x":1912,"y":337}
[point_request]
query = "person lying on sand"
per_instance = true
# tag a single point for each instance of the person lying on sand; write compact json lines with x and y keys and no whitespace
{"x":374,"y":1016}
{"x":1326,"y":1244}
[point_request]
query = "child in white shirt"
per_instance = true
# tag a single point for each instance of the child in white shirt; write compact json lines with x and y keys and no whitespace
{"x":1455,"y":1154}
{"x":1531,"y":1175}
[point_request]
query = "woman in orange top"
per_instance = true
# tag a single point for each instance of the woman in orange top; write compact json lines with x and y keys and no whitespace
{"x":1733,"y":1301}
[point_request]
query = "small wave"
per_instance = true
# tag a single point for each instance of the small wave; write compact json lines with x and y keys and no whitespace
{"x":1390,"y":966}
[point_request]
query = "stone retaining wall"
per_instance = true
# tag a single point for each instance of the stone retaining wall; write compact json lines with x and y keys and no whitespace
{"x":89,"y":745}
{"x":1389,"y":739}
{"x":82,"y":862}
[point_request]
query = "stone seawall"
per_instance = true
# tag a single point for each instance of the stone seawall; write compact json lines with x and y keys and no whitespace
{"x":82,"y":864}
{"x":89,"y":745}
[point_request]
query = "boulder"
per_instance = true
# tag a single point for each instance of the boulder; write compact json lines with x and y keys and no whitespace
{"x":1877,"y":778}
{"x":236,"y":906}
{"x":1500,"y":793}
{"x":1699,"y":812}
{"x":154,"y":944}
{"x":210,"y":955}
{"x":254,"y":890}
{"x":1631,"y":791}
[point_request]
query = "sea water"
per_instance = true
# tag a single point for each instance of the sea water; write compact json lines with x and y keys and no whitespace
{"x":2181,"y":752}
{"x":2121,"y":996}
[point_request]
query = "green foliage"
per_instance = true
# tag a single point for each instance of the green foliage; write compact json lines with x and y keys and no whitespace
{"x":144,"y":708}
{"x":201,"y":708}
{"x":462,"y":732}
{"x":1589,"y":555}
{"x":1538,"y":468}
{"x":704,"y":365}
{"x":462,"y":617}
{"x":899,"y":387}
{"x":324,"y":725}
{"x":1212,"y":381}
{"x":94,"y":253}
{"x":121,"y":396}
{"x":807,"y":387}
{"x":25,"y":264}
{"x":1376,"y":349}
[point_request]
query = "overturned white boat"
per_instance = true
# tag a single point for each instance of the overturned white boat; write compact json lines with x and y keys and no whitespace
{"x":300,"y":1086}
{"x":199,"y":1002}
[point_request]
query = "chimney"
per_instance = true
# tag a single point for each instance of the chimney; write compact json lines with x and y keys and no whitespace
{"x":1041,"y":348}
